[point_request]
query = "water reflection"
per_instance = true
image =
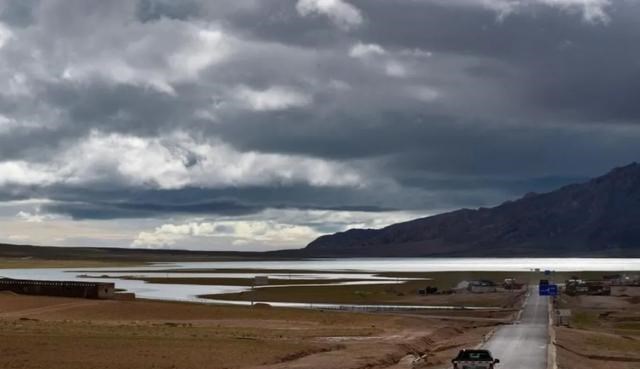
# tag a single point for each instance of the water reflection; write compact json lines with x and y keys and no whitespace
{"x":362,"y":270}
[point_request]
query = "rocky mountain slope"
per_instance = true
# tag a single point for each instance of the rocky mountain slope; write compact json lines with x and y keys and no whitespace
{"x":597,"y":218}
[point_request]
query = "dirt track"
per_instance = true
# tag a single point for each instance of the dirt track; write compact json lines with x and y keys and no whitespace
{"x":52,"y":333}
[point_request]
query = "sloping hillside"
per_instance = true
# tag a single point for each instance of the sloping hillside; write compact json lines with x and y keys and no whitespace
{"x":600,"y":218}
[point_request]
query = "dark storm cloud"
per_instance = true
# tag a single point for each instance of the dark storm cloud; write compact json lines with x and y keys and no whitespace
{"x":109,"y":210}
{"x":86,"y":204}
{"x":278,"y":21}
{"x":17,"y":13}
{"x":217,"y":208}
{"x":149,"y":10}
{"x":571,"y":69}
{"x":419,"y":144}
{"x":444,"y":104}
{"x":121,"y":108}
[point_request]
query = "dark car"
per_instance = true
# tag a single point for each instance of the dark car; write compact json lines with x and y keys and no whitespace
{"x":474,"y":359}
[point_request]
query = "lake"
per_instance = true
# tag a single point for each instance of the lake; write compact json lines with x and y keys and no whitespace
{"x":364,"y":269}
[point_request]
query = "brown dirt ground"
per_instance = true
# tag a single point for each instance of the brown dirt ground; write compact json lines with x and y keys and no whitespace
{"x":51,"y":333}
{"x":604,"y":333}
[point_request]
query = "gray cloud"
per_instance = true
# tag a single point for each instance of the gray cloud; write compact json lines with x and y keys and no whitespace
{"x":155,"y":109}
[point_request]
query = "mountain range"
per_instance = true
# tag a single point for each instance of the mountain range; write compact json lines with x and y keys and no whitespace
{"x":598,"y":218}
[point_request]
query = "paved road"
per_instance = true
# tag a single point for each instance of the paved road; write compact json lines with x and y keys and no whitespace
{"x":523,"y":345}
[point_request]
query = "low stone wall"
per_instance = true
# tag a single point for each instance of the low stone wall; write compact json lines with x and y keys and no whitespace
{"x":59,"y":288}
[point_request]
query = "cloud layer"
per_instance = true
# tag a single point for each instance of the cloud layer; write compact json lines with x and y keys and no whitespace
{"x":207,"y":124}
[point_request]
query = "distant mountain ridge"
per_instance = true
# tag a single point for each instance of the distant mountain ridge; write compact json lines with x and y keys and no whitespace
{"x":598,"y":218}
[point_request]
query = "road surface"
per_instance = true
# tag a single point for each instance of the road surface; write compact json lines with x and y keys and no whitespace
{"x":523,"y":345}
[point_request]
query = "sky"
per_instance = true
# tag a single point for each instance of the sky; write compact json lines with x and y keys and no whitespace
{"x":259,"y":125}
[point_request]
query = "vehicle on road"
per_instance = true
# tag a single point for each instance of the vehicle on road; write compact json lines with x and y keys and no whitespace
{"x":474,"y":359}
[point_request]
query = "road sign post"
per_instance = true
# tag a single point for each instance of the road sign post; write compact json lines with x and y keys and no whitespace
{"x":563,"y":317}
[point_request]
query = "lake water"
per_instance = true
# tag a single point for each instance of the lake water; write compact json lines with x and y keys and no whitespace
{"x":422,"y":264}
{"x":327,"y":269}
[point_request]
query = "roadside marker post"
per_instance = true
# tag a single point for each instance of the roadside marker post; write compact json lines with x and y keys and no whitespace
{"x":259,"y":281}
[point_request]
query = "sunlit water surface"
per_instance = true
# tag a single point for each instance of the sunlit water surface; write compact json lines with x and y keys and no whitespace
{"x":362,"y":269}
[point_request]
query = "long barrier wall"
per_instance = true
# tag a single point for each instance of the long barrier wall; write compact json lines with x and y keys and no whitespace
{"x":59,"y":288}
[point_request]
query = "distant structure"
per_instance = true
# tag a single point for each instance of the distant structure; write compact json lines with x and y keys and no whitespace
{"x":625,"y":285}
{"x":563,"y":317}
{"x":614,"y":285}
{"x":575,"y":287}
{"x":512,"y":284}
{"x":482,"y":286}
{"x":89,"y":290}
{"x":428,"y":291}
{"x":261,"y":280}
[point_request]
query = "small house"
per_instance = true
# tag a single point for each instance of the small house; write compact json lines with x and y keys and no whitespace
{"x":482,"y":286}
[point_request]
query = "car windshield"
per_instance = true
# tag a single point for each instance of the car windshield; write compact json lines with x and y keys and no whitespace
{"x":475,"y":355}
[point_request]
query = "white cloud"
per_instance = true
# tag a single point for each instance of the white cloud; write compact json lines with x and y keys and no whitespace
{"x":129,"y":159}
{"x":423,"y":93}
{"x":416,"y":52}
{"x":16,"y":84}
{"x":7,"y":124}
{"x":361,"y":50}
{"x":395,"y":69}
{"x":339,"y":85}
{"x":173,"y":162}
{"x":339,"y":220}
{"x":5,"y":35}
{"x":503,"y":8}
{"x":18,"y":237}
{"x":272,"y":98}
{"x":341,"y":13}
{"x":151,"y":60}
{"x":206,"y":47}
{"x":592,"y":11}
{"x":35,"y":217}
{"x":368,"y":53}
{"x":57,"y":230}
{"x":25,"y":173}
{"x":240,"y":232}
{"x":270,"y":229}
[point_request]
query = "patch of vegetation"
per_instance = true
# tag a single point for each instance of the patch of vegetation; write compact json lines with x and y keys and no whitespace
{"x":404,"y":293}
{"x":584,"y":320}
{"x":246,"y":282}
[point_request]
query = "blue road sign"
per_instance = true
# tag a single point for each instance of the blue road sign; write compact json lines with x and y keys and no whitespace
{"x":548,"y":290}
{"x":543,"y":290}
